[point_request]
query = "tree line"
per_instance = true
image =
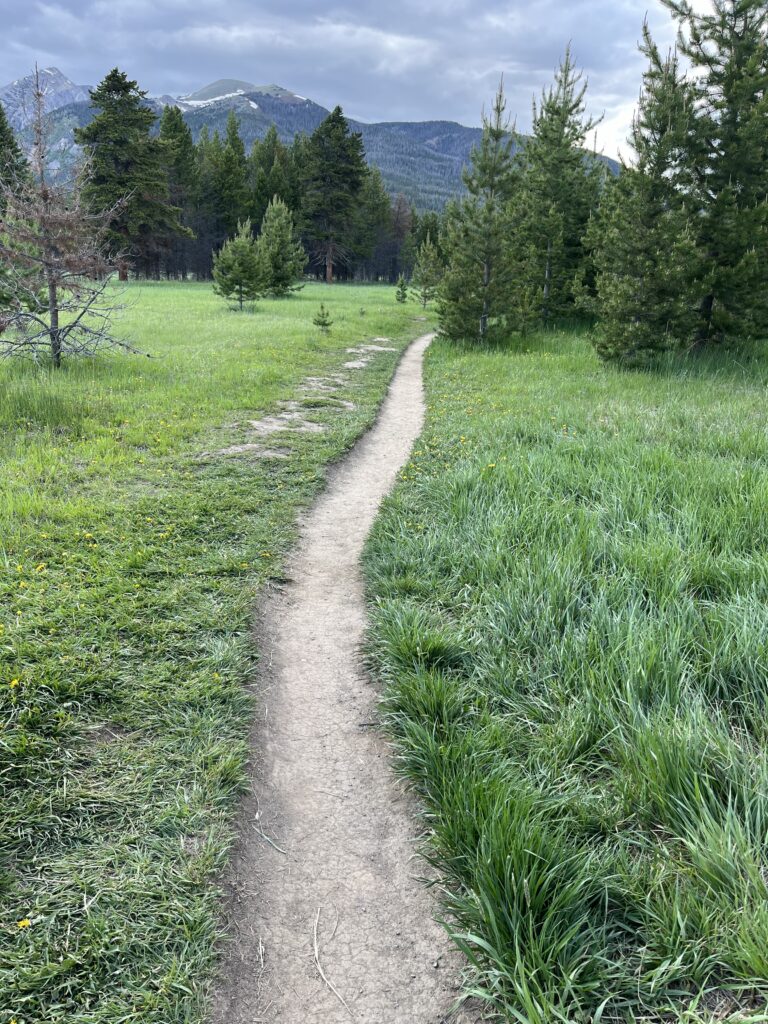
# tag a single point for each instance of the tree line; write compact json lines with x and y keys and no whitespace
{"x":182,"y":200}
{"x":672,"y":254}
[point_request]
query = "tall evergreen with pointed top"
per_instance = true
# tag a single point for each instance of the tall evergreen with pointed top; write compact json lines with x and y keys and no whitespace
{"x":126,"y":164}
{"x":371,"y":228}
{"x":180,"y":164}
{"x":271,"y":172}
{"x":280,"y":253}
{"x":13,"y":166}
{"x":727,"y":159}
{"x":427,"y":272}
{"x":333,"y":176}
{"x":13,"y":170}
{"x":559,"y":189}
{"x":478,"y":286}
{"x":643,"y":239}
{"x":231,"y":180}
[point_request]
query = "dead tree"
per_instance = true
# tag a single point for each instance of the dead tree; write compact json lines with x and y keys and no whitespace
{"x":56,"y":293}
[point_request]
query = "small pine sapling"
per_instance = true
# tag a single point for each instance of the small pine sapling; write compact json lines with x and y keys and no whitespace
{"x":322,"y":319}
{"x":401,"y":294}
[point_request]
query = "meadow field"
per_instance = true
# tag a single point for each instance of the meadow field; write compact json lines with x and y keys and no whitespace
{"x":568,"y":590}
{"x":129,"y":566}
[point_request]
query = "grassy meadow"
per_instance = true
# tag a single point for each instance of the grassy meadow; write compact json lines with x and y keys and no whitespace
{"x":568,"y":590}
{"x":128,"y":572}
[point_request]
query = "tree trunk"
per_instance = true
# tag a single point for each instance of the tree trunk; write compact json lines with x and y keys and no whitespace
{"x":703,"y":335}
{"x":53,"y":313}
{"x":329,"y":265}
{"x":547,"y":282}
{"x":486,"y":307}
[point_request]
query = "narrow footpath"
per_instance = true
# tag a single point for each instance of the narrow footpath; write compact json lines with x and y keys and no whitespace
{"x":328,"y":920}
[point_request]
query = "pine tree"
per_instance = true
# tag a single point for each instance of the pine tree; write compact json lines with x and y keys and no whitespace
{"x":559,"y":189}
{"x":231,"y":179}
{"x":332,"y":179}
{"x":401,"y":294}
{"x":643,"y":242}
{"x":126,"y":167}
{"x":428,"y":272}
{"x":236,"y":268}
{"x":271,"y":172}
{"x":728,"y":161}
{"x":404,"y":243}
{"x":206,"y":219}
{"x":371,"y":226}
{"x":322,"y":319}
{"x":477,"y":290}
{"x":180,"y":163}
{"x":13,"y":166}
{"x":280,"y":253}
{"x":14,"y":173}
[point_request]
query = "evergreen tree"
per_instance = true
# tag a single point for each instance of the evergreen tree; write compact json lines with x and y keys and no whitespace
{"x":477,"y":290}
{"x":371,"y":227}
{"x":126,"y":167}
{"x":428,"y":272}
{"x":728,"y":161}
{"x":404,"y":242}
{"x":13,"y":173}
{"x":236,"y":269}
{"x":280,"y":253}
{"x":271,"y":172}
{"x":559,"y":190}
{"x":644,"y":249}
{"x":322,"y":319}
{"x":13,"y":166}
{"x":401,"y":294}
{"x":231,"y":180}
{"x":180,"y":163}
{"x":332,"y":179}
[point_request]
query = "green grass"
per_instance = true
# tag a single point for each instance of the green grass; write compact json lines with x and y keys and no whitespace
{"x":128,"y":572}
{"x":569,"y":592}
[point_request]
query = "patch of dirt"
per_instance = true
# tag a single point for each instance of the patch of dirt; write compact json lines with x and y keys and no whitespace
{"x":293,"y":421}
{"x":258,"y":451}
{"x":365,"y":352}
{"x":105,"y":733}
{"x":328,"y":921}
{"x":331,"y":383}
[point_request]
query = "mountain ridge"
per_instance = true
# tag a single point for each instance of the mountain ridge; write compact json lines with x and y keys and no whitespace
{"x":423,"y":160}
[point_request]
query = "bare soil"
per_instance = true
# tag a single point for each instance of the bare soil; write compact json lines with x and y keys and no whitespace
{"x":328,"y":920}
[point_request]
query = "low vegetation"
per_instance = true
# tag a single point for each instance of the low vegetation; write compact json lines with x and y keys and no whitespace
{"x":128,"y":570}
{"x":568,"y":595}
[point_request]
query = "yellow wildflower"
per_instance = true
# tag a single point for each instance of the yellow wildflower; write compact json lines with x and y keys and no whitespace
{"x":24,"y":923}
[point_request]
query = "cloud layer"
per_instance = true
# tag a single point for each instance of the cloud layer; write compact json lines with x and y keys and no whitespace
{"x":403,"y":60}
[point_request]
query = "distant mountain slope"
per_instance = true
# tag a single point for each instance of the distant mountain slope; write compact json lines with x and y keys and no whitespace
{"x":18,"y":97}
{"x":423,"y":159}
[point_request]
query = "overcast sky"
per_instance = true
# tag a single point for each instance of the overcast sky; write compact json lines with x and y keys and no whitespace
{"x":383,"y":60}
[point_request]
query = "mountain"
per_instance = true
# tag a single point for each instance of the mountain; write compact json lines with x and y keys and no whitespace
{"x":59,"y":91}
{"x":421,"y":159}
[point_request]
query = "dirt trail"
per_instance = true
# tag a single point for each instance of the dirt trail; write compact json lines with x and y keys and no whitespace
{"x":341,"y":833}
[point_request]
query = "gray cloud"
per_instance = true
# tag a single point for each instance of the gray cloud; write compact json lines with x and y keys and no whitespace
{"x":406,"y":59}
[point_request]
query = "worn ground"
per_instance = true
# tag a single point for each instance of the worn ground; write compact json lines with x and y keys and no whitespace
{"x":328,"y":920}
